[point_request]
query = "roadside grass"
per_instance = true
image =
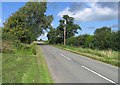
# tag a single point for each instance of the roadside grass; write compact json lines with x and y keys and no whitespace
{"x":26,"y":49}
{"x":107,"y":56}
{"x":23,"y":66}
{"x":45,"y":75}
{"x":14,"y":67}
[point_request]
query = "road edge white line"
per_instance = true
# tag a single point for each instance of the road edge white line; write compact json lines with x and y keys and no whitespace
{"x":99,"y":74}
{"x":65,"y":56}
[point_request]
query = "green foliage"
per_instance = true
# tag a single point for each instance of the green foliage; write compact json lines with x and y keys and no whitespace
{"x":88,"y":41}
{"x":72,"y":41}
{"x":25,"y":68}
{"x":26,"y":49}
{"x":9,"y":41}
{"x":11,"y":44}
{"x":102,"y":37}
{"x":85,"y":40}
{"x":52,"y":36}
{"x":8,"y":36}
{"x":115,"y":40}
{"x":16,"y":67}
{"x":107,"y":56}
{"x":29,"y":21}
{"x":71,"y":27}
{"x":33,"y":48}
{"x":55,"y":36}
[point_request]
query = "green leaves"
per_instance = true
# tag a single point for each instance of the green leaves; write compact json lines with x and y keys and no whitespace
{"x":102,"y":36}
{"x":29,"y":21}
{"x":103,"y":39}
{"x":56,"y":35}
{"x":71,"y":27}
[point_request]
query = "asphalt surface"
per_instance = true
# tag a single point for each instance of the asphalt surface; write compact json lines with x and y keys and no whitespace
{"x":67,"y":67}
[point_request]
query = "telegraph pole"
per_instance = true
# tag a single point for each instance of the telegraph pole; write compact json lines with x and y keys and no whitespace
{"x":65,"y":32}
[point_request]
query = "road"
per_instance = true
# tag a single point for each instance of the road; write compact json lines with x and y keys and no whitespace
{"x":67,"y":67}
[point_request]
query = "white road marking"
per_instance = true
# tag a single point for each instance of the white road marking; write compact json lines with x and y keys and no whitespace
{"x":65,"y":56}
{"x":98,"y":74}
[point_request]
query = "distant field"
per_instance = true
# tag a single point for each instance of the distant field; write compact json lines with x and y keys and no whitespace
{"x":107,"y":56}
{"x":22,"y":68}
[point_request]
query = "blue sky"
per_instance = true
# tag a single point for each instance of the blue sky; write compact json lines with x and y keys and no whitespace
{"x":89,"y":15}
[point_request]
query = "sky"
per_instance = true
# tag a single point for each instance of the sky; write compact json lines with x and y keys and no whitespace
{"x":88,"y":15}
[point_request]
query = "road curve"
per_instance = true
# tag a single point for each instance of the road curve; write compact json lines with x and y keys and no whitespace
{"x":67,"y":67}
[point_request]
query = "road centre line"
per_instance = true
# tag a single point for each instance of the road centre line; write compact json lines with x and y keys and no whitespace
{"x":94,"y":72}
{"x":65,"y":56}
{"x":99,"y":75}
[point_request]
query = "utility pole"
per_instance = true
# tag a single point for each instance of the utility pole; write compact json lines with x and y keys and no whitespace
{"x":65,"y":32}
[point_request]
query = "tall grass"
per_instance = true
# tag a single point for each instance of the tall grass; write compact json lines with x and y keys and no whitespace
{"x":25,"y":65}
{"x":18,"y":63}
{"x":26,"y":49}
{"x":14,"y":68}
{"x":107,"y":56}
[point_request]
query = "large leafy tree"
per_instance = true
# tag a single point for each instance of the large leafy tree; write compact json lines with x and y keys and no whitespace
{"x":71,"y":29}
{"x":72,"y":41}
{"x":102,"y":38}
{"x":85,"y":40}
{"x":29,"y":21}
{"x":52,"y":36}
{"x":115,"y":40}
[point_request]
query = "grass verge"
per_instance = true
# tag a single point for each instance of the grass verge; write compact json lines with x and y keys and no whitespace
{"x":45,"y":75}
{"x":107,"y":56}
{"x":14,"y":67}
{"x":25,"y":68}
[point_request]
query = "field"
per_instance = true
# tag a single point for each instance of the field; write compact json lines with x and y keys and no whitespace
{"x":107,"y":56}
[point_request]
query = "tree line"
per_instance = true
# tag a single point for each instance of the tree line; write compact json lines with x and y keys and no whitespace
{"x":30,"y":21}
{"x":104,"y":38}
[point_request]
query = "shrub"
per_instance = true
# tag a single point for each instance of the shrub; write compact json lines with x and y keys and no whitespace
{"x":8,"y":41}
{"x":33,"y":48}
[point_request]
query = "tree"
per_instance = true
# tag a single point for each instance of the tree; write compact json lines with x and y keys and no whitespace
{"x":29,"y":21}
{"x":102,"y":38}
{"x":72,"y":41}
{"x":52,"y":36}
{"x":89,"y":41}
{"x":71,"y":29}
{"x":115,"y":40}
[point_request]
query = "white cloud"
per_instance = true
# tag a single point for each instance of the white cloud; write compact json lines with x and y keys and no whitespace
{"x":93,"y":13}
{"x":51,"y":24}
{"x":43,"y":36}
{"x":66,"y":11}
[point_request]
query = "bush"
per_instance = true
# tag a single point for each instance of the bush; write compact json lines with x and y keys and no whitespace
{"x":72,"y":41}
{"x":8,"y":41}
{"x":26,"y":49}
{"x":33,"y":48}
{"x":11,"y":44}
